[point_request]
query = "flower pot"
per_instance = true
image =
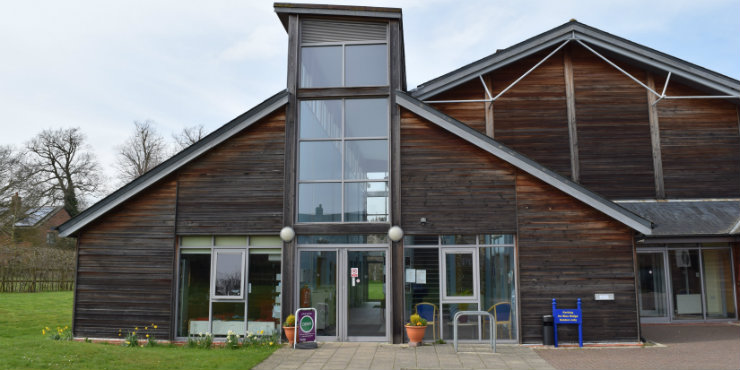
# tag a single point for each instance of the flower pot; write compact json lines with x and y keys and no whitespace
{"x":289,"y":333}
{"x":415,"y":334}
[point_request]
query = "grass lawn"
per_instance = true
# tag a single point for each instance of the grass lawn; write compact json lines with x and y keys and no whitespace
{"x":23,"y":315}
{"x":375,"y":290}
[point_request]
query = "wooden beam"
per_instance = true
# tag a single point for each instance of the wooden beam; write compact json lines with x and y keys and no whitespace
{"x":655,"y":139}
{"x":489,"y":106}
{"x":395,"y":259}
{"x":570,"y":101}
{"x":289,"y":199}
{"x":342,"y":92}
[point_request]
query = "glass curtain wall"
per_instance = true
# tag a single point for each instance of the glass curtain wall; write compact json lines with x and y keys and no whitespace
{"x":496,"y":283}
{"x":215,"y":296}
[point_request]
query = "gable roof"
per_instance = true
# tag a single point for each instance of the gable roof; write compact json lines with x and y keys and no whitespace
{"x":523,"y":163}
{"x":576,"y":31}
{"x":174,"y":163}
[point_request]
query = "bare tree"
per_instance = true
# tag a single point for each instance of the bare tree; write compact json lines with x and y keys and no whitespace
{"x":141,"y":152}
{"x":189,"y":136}
{"x":19,"y":195}
{"x":63,"y":167}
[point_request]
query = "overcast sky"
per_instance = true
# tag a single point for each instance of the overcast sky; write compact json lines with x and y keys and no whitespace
{"x":100,"y":65}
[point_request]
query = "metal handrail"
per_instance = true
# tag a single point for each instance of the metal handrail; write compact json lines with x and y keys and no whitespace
{"x":492,"y":321}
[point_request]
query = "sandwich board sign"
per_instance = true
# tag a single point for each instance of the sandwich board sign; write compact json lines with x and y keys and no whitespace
{"x":305,"y":330}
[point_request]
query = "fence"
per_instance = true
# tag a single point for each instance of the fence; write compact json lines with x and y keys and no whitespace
{"x":31,"y":280}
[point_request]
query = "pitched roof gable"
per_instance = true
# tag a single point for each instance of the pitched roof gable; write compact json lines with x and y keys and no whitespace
{"x":174,"y":163}
{"x":523,"y":163}
{"x":576,"y":31}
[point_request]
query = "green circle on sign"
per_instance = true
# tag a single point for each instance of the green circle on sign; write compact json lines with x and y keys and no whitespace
{"x":306,"y":324}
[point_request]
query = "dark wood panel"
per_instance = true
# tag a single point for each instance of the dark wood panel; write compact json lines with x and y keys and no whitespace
{"x":615,"y":154}
{"x":457,"y":187}
{"x":700,"y":145}
{"x":237,"y":187}
{"x":342,"y":92}
{"x":472,"y":114}
{"x":531,"y":117}
{"x":125,"y":259}
{"x":566,"y":251}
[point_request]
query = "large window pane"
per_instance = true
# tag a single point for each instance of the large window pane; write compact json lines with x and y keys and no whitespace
{"x":366,"y":201}
{"x":366,"y":118}
{"x":497,"y":290}
{"x":366,"y":304}
{"x":318,"y":289}
{"x":321,"y":66}
{"x":320,"y":202}
{"x":228,"y":316}
{"x":229,"y":274}
{"x":320,"y":160}
{"x":652,"y":285}
{"x":320,"y":119}
{"x":195,"y":278}
{"x":459,"y":274}
{"x":421,"y":280}
{"x":263,"y":313}
{"x":366,"y":65}
{"x":366,"y":159}
{"x":718,"y":283}
{"x":686,"y":284}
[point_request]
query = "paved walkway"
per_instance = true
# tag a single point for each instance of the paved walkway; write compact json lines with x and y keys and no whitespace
{"x":399,"y":356}
{"x":689,"y":346}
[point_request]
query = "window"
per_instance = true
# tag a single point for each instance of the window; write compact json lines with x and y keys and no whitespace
{"x":214,"y":293}
{"x":343,"y":160}
{"x":344,"y":65}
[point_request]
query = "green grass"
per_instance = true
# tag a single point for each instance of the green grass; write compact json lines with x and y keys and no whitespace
{"x":375,"y":290}
{"x":23,"y":315}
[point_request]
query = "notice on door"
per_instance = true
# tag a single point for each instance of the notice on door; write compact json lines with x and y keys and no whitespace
{"x":354,"y":272}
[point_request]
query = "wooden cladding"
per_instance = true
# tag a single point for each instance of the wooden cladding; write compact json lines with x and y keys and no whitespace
{"x":125,"y":268}
{"x":700,"y":144}
{"x":617,"y":146}
{"x":568,"y":250}
{"x":613,"y":129}
{"x":236,"y":187}
{"x":126,"y":271}
{"x":457,"y":187}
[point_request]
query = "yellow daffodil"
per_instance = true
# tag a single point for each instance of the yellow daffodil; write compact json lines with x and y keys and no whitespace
{"x":136,"y":328}
{"x":155,"y":326}
{"x":43,"y":332}
{"x":270,"y":343}
{"x":262,"y":332}
{"x":147,"y":335}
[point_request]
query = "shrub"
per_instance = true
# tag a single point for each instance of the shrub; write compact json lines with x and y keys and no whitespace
{"x":289,"y":321}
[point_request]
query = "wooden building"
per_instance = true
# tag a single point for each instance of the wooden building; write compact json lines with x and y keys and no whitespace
{"x":575,"y":164}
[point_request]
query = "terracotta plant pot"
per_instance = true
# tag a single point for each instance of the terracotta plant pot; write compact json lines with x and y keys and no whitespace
{"x":289,"y":333}
{"x":415,"y":334}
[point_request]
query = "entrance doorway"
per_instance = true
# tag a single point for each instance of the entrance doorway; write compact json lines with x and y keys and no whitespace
{"x":686,"y":282}
{"x":347,"y":286}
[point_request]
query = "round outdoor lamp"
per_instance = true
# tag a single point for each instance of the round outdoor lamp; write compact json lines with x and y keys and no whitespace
{"x":287,"y":234}
{"x":395,"y":233}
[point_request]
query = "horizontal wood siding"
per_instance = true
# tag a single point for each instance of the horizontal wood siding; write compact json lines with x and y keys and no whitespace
{"x":613,"y":129}
{"x":568,"y":250}
{"x":456,"y":186}
{"x":531,"y":118}
{"x":124,"y":277}
{"x":700,"y":143}
{"x":472,"y":114}
{"x":236,"y":187}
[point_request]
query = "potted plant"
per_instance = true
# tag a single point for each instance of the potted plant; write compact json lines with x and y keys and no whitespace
{"x":289,"y":328}
{"x":415,"y":329}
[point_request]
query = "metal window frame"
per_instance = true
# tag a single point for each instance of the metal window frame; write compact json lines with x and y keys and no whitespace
{"x":246,"y":249}
{"x":342,"y":139}
{"x":341,"y":285}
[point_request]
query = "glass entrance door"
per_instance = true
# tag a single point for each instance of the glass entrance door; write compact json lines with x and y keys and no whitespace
{"x":347,"y":287}
{"x":653,"y":303}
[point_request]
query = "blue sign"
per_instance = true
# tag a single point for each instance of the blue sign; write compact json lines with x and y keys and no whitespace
{"x":567,"y":316}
